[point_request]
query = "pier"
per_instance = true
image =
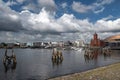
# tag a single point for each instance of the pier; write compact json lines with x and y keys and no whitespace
{"x":9,"y":62}
{"x":57,"y":56}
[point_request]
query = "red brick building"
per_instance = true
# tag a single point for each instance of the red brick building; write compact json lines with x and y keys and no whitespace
{"x":96,"y":41}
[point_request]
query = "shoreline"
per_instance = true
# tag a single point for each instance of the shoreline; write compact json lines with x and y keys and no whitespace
{"x":109,"y":72}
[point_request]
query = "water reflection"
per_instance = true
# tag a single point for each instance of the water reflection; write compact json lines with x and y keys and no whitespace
{"x":106,"y":52}
{"x":56,"y":62}
{"x":9,"y":62}
{"x":36,"y":64}
{"x":8,"y":67}
{"x":57,"y":57}
{"x":92,"y":54}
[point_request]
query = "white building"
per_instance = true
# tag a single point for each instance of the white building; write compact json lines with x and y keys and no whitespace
{"x":23,"y":45}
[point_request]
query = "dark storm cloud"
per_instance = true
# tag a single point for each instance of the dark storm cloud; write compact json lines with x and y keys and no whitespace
{"x":35,"y":32}
{"x":7,"y":24}
{"x":113,"y":30}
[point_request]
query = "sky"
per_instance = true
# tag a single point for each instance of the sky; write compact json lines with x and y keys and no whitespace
{"x":58,"y":20}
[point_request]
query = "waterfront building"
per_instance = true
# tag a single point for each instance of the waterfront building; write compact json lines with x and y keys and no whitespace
{"x":113,"y":41}
{"x":76,"y":43}
{"x":68,"y":43}
{"x":79,"y":43}
{"x":23,"y":45}
{"x":47,"y":45}
{"x":54,"y":44}
{"x":41,"y":44}
{"x":10,"y":45}
{"x":96,"y":41}
{"x":16,"y":45}
{"x":61,"y":44}
{"x":37,"y":44}
{"x":2,"y":45}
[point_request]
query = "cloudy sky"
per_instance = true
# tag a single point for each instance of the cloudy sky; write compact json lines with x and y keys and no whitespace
{"x":58,"y":20}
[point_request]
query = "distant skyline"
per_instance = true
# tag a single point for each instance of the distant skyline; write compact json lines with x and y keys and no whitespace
{"x":58,"y":20}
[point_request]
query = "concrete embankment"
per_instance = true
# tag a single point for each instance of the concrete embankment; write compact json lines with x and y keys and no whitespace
{"x":110,"y":72}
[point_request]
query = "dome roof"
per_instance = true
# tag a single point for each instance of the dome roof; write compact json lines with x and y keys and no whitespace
{"x":113,"y":38}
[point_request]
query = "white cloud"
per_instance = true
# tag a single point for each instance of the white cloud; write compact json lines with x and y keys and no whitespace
{"x":108,"y":25}
{"x":47,"y":3}
{"x":45,"y":22}
{"x":20,"y":1}
{"x":99,"y":10}
{"x":108,"y":17}
{"x":64,"y":5}
{"x":36,"y":7}
{"x":67,"y":26}
{"x":79,"y":7}
{"x":103,"y":2}
{"x":10,"y":3}
{"x":30,"y":7}
{"x":96,"y":7}
{"x":44,"y":26}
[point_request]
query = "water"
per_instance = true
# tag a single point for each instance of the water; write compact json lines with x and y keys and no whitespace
{"x":36,"y":64}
